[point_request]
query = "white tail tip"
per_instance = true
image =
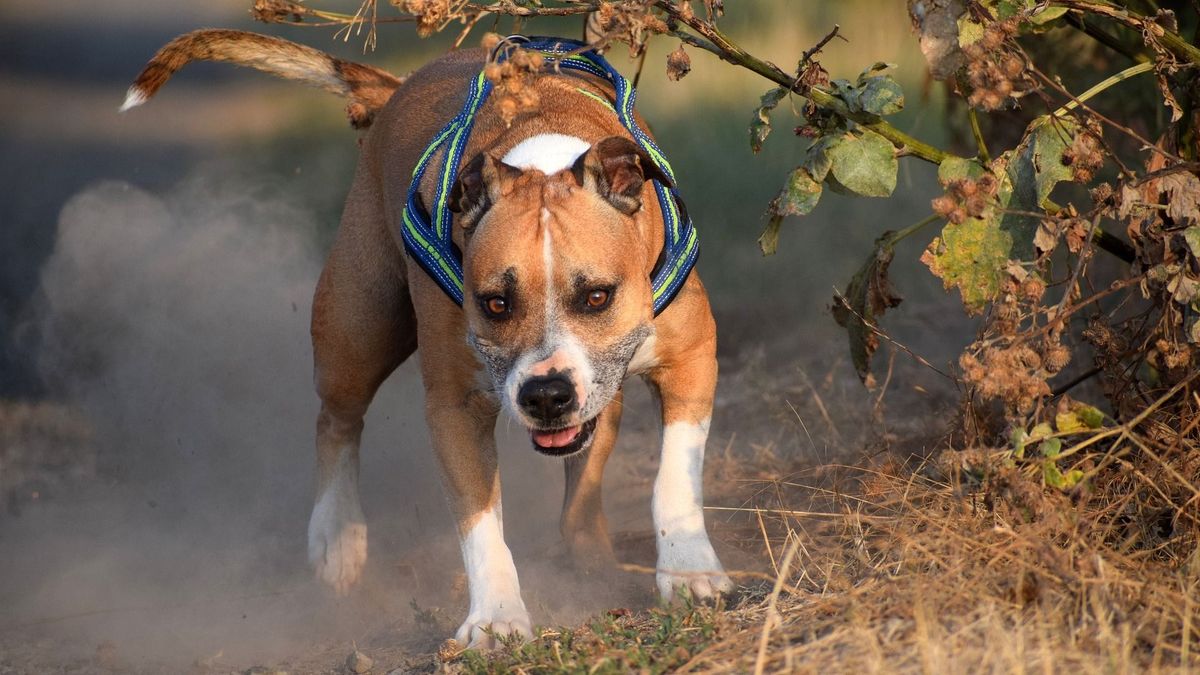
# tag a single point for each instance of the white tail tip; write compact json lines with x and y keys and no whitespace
{"x":133,"y":98}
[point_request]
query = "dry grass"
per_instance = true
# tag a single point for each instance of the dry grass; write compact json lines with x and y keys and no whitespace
{"x":955,"y":564}
{"x":918,"y":574}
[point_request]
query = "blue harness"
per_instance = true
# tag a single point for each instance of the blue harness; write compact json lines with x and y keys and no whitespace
{"x":427,"y":238}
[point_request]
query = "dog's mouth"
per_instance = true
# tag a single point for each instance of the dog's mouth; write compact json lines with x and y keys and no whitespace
{"x":563,"y":442}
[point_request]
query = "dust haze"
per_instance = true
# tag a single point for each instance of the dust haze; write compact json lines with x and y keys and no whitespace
{"x":171,"y":331}
{"x":175,"y":326}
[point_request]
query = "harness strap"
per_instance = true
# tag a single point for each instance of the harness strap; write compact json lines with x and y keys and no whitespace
{"x":427,"y":237}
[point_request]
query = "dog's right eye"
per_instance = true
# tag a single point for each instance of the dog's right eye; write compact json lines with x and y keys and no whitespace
{"x":496,"y":307}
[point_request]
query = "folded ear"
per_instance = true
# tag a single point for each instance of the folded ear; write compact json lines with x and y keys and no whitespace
{"x":480,"y":184}
{"x":617,"y":168}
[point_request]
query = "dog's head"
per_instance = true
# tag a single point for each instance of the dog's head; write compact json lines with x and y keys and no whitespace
{"x":557,"y":288}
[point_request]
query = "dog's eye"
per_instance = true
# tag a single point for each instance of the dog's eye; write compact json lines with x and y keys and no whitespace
{"x":496,"y":307}
{"x":597,"y":299}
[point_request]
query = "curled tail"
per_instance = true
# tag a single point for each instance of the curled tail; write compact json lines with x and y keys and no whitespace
{"x":366,"y":88}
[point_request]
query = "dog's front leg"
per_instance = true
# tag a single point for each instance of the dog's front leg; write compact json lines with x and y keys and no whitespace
{"x":685,"y":555}
{"x":462,"y":426}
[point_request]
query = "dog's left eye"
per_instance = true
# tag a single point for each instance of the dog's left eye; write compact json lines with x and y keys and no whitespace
{"x":496,"y":307}
{"x":597,"y":299}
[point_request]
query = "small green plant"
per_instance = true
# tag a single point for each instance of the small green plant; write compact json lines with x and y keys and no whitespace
{"x":655,"y":641}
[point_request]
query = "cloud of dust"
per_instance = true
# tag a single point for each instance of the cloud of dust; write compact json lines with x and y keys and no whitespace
{"x":176,"y":325}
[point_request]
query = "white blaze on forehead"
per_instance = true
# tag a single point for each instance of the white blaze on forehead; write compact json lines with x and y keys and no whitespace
{"x":559,"y":350}
{"x":548,"y":153}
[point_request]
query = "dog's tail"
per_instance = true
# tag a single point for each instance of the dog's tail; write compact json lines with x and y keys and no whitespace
{"x":367,"y":88}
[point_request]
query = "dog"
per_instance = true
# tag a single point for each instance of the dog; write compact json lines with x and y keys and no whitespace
{"x":555,"y":216}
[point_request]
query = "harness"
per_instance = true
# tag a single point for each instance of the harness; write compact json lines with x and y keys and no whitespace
{"x":427,"y":236}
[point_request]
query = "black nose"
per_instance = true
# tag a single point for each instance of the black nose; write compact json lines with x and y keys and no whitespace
{"x":547,"y":398}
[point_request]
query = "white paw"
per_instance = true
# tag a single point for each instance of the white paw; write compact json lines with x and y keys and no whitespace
{"x":480,"y":630}
{"x":337,"y":544}
{"x":691,"y":565}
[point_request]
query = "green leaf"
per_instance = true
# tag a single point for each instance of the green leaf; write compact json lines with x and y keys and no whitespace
{"x":1069,"y":423}
{"x":1090,"y":416}
{"x":1052,"y":475}
{"x":972,"y":256}
{"x":868,"y":296}
{"x":1040,"y":431}
{"x":768,"y":241}
{"x":970,"y":31}
{"x":1019,"y":439}
{"x":865,"y":164}
{"x":816,"y":159}
{"x":798,"y":197}
{"x":1051,"y":447}
{"x":1192,"y":237}
{"x":1047,"y":14}
{"x":956,"y":168}
{"x":880,"y":95}
{"x":760,"y":125}
{"x":1037,"y":163}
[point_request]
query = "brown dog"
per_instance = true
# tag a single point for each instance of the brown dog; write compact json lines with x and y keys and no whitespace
{"x":559,"y":231}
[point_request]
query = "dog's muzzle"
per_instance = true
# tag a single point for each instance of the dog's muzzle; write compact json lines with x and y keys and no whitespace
{"x":564,"y":442}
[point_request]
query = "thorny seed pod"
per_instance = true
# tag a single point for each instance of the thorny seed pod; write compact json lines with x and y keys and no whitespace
{"x":1012,"y":66}
{"x":975,"y":205}
{"x":943,"y":205}
{"x":679,"y":64}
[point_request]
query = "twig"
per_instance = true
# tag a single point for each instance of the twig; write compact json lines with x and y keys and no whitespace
{"x":978,"y":134}
{"x":877,"y":331}
{"x":717,"y":43}
{"x":1172,"y":41}
{"x":1106,"y":39}
{"x":1075,"y":381}
{"x":807,"y":56}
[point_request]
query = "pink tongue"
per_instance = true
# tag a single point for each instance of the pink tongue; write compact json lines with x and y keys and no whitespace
{"x":555,"y":439}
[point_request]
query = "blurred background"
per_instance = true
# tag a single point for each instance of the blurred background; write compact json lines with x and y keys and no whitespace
{"x":156,"y":270}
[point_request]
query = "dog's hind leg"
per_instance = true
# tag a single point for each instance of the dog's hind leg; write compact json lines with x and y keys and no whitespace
{"x":363,"y":327}
{"x":583,"y":524}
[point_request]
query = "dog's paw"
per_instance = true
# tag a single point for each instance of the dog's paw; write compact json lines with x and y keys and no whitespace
{"x":481,"y":632}
{"x":337,"y":549}
{"x":699,"y":585}
{"x":692,"y":566}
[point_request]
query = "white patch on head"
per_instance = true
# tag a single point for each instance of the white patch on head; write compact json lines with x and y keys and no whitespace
{"x":548,"y":153}
{"x":337,"y":530}
{"x":560,"y":349}
{"x":645,"y":358}
{"x":492,"y":583}
{"x":685,"y":555}
{"x":133,"y":98}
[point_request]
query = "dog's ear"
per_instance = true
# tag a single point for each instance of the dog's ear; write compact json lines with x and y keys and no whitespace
{"x":480,"y":184}
{"x":617,"y":168}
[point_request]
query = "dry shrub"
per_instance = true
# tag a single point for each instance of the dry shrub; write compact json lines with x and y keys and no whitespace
{"x":964,"y":565}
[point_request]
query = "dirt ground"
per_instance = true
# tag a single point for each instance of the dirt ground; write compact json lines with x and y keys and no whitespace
{"x":77,"y":599}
